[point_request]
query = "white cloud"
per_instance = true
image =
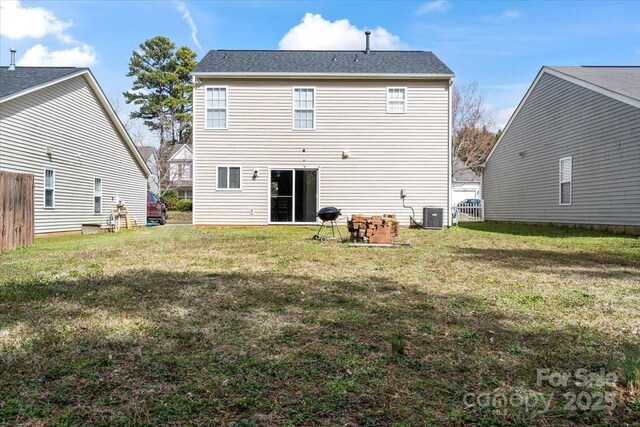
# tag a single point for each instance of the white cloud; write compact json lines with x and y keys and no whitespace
{"x":39,"y":55}
{"x":503,"y":116}
{"x":316,"y":33}
{"x":511,"y":14}
{"x":434,"y":6}
{"x":186,"y":15}
{"x":17,"y":22}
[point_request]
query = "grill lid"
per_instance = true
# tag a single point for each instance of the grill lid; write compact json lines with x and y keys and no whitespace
{"x":329,"y":213}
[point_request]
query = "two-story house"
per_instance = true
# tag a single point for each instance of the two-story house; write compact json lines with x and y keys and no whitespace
{"x":279,"y":134}
{"x":180,"y":171}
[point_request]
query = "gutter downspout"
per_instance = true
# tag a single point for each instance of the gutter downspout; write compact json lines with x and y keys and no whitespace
{"x":449,"y":142}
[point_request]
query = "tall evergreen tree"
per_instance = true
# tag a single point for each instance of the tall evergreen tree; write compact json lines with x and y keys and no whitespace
{"x":162,"y":92}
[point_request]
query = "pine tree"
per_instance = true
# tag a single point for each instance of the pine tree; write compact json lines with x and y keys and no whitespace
{"x":162,"y":92}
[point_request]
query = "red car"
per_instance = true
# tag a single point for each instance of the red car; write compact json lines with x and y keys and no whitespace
{"x":156,"y":210}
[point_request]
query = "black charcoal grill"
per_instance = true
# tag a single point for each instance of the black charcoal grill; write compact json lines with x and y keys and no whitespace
{"x":330,"y":215}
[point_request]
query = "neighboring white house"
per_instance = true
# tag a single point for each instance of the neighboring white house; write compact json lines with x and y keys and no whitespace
{"x":466,"y":183}
{"x":180,"y":171}
{"x":570,"y":154}
{"x":57,"y":124}
{"x":279,"y":134}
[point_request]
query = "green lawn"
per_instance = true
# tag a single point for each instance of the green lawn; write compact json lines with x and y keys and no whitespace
{"x":263,"y":326}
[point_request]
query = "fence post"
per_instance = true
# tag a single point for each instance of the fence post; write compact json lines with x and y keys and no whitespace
{"x":482,"y":209}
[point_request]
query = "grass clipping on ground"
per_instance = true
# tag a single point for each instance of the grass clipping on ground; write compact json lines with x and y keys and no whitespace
{"x":263,"y":326}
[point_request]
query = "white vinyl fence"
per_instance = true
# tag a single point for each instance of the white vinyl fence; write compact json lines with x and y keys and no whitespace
{"x":468,"y":212}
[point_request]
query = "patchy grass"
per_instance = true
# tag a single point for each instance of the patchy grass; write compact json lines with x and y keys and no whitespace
{"x":262,"y":326}
{"x":178,"y":217}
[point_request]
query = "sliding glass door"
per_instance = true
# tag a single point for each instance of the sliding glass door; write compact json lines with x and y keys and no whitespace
{"x":293,"y":195}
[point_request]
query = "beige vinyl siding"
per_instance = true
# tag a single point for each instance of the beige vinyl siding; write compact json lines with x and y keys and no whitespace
{"x":68,"y":117}
{"x":561,"y":119}
{"x":388,"y":152}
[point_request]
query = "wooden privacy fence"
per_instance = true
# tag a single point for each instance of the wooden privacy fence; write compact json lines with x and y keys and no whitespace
{"x":16,"y":210}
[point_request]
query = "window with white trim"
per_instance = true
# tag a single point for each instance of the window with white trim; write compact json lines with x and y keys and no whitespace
{"x":216,"y":103}
{"x":228,"y":178}
{"x":186,"y":171}
{"x":566,"y":171}
{"x":396,"y":100}
{"x":49,"y":188}
{"x":304,"y":105}
{"x":97,"y":195}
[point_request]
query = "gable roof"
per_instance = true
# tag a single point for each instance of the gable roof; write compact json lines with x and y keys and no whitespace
{"x":31,"y":79}
{"x":463,"y":174}
{"x":147,"y":152}
{"x":24,"y":78}
{"x":322,"y":62}
{"x":620,"y":83}
{"x":177,"y":148}
{"x":622,"y":80}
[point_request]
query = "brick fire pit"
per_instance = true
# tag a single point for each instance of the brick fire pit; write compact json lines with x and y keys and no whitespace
{"x":373,"y":229}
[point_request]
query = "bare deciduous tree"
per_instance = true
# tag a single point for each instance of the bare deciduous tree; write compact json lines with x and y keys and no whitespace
{"x":472,"y":138}
{"x":157,"y":162}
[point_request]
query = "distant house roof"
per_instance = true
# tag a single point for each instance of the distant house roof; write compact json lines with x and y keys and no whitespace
{"x":177,"y":148}
{"x":418,"y":63}
{"x":622,"y":80}
{"x":463,"y":174}
{"x":147,"y":152}
{"x":24,"y":78}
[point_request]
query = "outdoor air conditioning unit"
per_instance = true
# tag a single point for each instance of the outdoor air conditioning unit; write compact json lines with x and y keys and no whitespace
{"x":432,"y":218}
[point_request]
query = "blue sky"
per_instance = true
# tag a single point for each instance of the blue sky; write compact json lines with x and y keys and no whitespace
{"x":500,"y":44}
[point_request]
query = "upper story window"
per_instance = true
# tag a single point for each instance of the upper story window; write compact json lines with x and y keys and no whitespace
{"x":180,"y":171}
{"x":396,"y":100}
{"x":216,"y":104}
{"x":566,"y":171}
{"x":304,"y":105}
{"x":185,"y":171}
{"x":49,"y":188}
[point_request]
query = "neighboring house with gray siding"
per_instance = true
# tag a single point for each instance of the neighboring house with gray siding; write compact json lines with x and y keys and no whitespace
{"x":279,"y":134}
{"x":56,"y":123}
{"x":570,"y":154}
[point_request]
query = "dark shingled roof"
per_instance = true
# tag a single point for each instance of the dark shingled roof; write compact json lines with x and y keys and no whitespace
{"x":316,"y":61}
{"x":23,"y":78}
{"x":622,"y":80}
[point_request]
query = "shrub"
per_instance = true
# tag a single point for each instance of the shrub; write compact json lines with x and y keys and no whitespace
{"x":170,"y":198}
{"x":184,"y":205}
